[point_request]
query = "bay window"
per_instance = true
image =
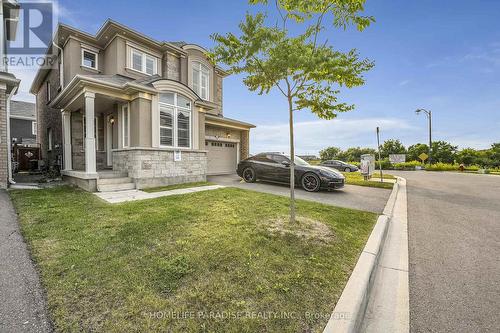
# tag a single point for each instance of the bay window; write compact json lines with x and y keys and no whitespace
{"x":201,"y":80}
{"x":175,"y":120}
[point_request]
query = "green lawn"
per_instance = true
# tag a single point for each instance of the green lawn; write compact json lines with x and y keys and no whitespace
{"x":177,"y":186}
{"x":355,"y":178}
{"x":187,"y":263}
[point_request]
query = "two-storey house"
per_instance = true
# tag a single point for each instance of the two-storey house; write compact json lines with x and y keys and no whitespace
{"x":150,"y":111}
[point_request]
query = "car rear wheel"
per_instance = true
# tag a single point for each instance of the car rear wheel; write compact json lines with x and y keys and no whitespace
{"x":249,"y":175}
{"x":310,"y":182}
{"x":347,"y":169}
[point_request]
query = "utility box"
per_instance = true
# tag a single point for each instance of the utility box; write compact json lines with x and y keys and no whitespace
{"x":367,"y":166}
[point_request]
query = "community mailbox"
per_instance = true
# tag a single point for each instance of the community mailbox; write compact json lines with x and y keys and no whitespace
{"x":367,"y":165}
{"x":397,"y":158}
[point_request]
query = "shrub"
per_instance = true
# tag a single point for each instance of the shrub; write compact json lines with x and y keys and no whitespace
{"x":442,"y":167}
{"x":407,"y":165}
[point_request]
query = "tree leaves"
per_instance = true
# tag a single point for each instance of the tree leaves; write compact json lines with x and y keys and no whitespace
{"x":297,"y":65}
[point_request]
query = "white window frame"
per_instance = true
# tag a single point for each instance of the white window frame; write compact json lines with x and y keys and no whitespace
{"x":175,"y":126}
{"x":144,"y":57}
{"x":47,"y":93}
{"x":202,"y":69}
{"x":33,"y":127}
{"x":49,"y":139}
{"x":125,"y":143}
{"x":96,"y":58}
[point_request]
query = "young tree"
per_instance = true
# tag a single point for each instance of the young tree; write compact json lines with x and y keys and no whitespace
{"x":392,"y":146}
{"x":304,"y":68}
{"x":329,"y":153}
{"x":353,"y":154}
{"x":468,"y":156}
{"x":443,"y":152}
{"x":415,"y":150}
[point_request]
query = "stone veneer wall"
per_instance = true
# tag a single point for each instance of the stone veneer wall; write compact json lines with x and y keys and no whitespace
{"x":156,"y":167}
{"x":244,"y":145}
{"x":4,"y":169}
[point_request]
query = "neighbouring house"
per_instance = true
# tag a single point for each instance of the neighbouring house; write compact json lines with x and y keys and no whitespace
{"x":24,"y":151}
{"x":120,"y":104}
{"x":9,"y":17}
{"x":22,"y":123}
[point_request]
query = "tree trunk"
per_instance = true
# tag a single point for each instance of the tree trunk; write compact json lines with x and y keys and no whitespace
{"x":292,"y":164}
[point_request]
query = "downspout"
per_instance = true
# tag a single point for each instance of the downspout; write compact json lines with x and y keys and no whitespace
{"x":9,"y":143}
{"x":61,"y":69}
{"x":3,"y":39}
{"x":61,"y":84}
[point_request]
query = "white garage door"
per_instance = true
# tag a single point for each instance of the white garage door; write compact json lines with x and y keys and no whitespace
{"x":222,"y":157}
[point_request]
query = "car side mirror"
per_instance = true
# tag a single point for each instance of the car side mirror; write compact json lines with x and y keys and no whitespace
{"x":285,"y":163}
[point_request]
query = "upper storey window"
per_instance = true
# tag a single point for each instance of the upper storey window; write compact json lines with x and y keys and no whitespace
{"x":143,"y":62}
{"x":89,"y":59}
{"x":201,"y":82}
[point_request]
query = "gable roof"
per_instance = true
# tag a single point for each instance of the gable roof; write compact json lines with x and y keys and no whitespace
{"x":22,"y":109}
{"x":105,"y":33}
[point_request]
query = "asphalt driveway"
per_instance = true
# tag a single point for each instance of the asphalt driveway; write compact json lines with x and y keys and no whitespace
{"x":454,"y":251}
{"x":356,"y":197}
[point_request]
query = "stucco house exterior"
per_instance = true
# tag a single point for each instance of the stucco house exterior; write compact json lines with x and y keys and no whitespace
{"x":121,"y":105}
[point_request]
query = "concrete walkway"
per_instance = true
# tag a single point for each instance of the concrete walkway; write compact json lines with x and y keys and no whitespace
{"x":134,"y":195}
{"x":22,"y":302}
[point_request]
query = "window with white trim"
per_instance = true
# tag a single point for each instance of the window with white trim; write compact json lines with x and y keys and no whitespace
{"x":89,"y":59}
{"x":33,"y":127}
{"x":143,"y":62}
{"x":201,"y":80}
{"x":49,"y":138}
{"x":47,"y":91}
{"x":125,"y":126}
{"x":96,"y":130}
{"x":175,"y":120}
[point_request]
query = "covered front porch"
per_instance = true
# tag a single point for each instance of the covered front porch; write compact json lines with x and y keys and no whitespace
{"x":126,"y":132}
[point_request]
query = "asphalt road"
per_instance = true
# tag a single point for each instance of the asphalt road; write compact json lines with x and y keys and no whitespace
{"x":356,"y":197}
{"x":454,"y":250}
{"x":22,"y":302}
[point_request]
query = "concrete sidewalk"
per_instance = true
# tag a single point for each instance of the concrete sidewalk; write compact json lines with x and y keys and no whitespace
{"x":135,"y":195}
{"x":388,"y":304}
{"x":22,"y":302}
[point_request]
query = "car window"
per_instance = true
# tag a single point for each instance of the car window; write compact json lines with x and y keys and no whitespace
{"x":279,"y":158}
{"x":270,"y":158}
{"x":262,"y":158}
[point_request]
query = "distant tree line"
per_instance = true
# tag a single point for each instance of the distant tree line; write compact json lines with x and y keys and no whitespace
{"x":442,"y":152}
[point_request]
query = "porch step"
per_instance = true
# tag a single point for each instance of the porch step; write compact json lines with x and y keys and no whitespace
{"x":117,"y":180}
{"x":112,"y":174}
{"x":115,"y":187}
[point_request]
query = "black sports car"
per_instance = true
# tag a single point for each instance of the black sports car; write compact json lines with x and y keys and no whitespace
{"x":276,"y":167}
{"x":340,"y":165}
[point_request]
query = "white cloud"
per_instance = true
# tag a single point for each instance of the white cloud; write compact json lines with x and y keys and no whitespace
{"x":312,"y":136}
{"x":26,"y":75}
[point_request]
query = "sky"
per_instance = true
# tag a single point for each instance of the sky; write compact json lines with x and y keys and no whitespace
{"x":443,"y":56}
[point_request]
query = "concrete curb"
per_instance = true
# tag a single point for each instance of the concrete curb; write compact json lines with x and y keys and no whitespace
{"x":350,"y":309}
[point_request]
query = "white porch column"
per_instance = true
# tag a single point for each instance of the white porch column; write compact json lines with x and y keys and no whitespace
{"x":90,"y":155}
{"x":68,"y":165}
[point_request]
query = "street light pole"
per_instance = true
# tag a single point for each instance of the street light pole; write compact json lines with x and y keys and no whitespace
{"x":429,"y":116}
{"x":379,"y":157}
